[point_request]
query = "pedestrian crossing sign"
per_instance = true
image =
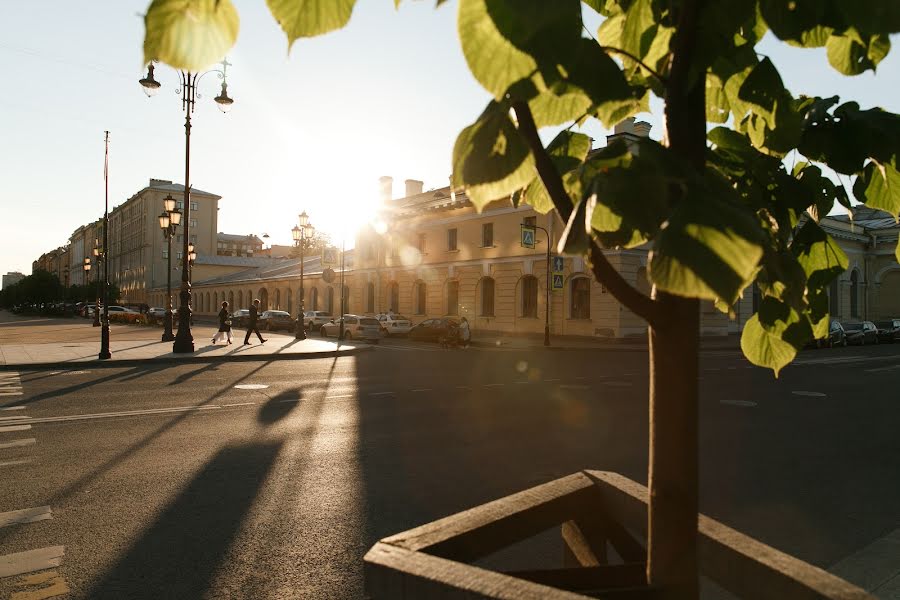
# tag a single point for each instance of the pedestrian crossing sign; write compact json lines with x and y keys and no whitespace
{"x":557,"y":264}
{"x":557,"y":282}
{"x":329,"y":256}
{"x":527,"y":239}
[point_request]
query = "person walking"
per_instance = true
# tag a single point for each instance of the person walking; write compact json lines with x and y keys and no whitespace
{"x":464,"y":333}
{"x":224,"y":326}
{"x":252,"y":327}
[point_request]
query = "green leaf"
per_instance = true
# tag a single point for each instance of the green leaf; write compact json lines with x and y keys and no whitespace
{"x":189,"y":34}
{"x":772,"y":337}
{"x":709,"y":248}
{"x":717,"y":106}
{"x":819,"y":255}
{"x":309,"y":18}
{"x":567,"y":151}
{"x":505,"y":41}
{"x":762,"y":90}
{"x":790,"y":19}
{"x":490,"y":158}
{"x":852,"y":54}
{"x":879,"y":187}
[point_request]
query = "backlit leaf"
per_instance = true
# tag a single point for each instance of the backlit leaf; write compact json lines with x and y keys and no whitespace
{"x":189,"y":34}
{"x":309,"y":18}
{"x":772,"y":337}
{"x":879,"y":187}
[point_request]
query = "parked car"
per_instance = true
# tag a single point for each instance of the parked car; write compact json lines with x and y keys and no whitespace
{"x":394,"y":324}
{"x":156,"y":314}
{"x":432,"y":330}
{"x":861,"y":333}
{"x":270,"y":320}
{"x":836,"y":335}
{"x":888,"y":330}
{"x":239,"y":317}
{"x":314,"y":319}
{"x":355,"y":327}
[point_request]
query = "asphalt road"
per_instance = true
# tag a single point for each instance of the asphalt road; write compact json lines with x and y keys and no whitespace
{"x":176,"y":482}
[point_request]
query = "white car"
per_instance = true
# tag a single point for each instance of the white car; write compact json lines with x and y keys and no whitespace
{"x":314,"y":319}
{"x":394,"y":324}
{"x":355,"y":328}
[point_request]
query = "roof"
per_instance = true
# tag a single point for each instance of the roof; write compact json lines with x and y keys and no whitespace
{"x":868,"y":218}
{"x":233,"y":261}
{"x":236,"y":237}
{"x":271,"y":268}
{"x":168,"y":186}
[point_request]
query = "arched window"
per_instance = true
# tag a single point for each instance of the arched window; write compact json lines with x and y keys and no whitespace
{"x":487,"y":297}
{"x":277,"y":304}
{"x":529,"y":296}
{"x":452,"y":297}
{"x":854,"y":294}
{"x":395,"y":297}
{"x":329,"y":300}
{"x":580,"y":298}
{"x":289,"y":307}
{"x":370,"y":297}
{"x":231,"y":305}
{"x":240,"y":299}
{"x":314,"y":299}
{"x":420,"y":296}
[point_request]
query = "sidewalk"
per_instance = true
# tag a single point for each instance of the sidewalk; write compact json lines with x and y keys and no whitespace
{"x":30,"y":342}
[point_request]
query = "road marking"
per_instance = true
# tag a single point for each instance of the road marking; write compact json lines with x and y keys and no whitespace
{"x":13,"y":463}
{"x":5,"y":393}
{"x":14,"y":428}
{"x":16,"y":418}
{"x":25,"y":515}
{"x":421,"y":390}
{"x":464,"y":388}
{"x":13,"y":407}
{"x":339,"y":396}
{"x":748,"y":403}
{"x":249,"y":403}
{"x":55,"y":586}
{"x":550,"y":380}
{"x":250,"y":386}
{"x":31,"y":560}
{"x":381,"y":394}
{"x":811,"y":394}
{"x":126,"y":413}
{"x":570,"y":386}
{"x":521,"y":382}
{"x":494,"y":384}
{"x":890,"y":368}
{"x":17,"y":443}
{"x":285,"y":401}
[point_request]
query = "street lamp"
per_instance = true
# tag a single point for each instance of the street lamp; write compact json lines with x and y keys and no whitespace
{"x":300,"y":234}
{"x":184,"y":340}
{"x":169,"y":220}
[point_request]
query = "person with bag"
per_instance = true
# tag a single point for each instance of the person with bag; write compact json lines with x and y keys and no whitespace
{"x":252,"y":327}
{"x":224,"y":326}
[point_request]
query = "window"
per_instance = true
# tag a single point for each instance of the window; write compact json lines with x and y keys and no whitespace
{"x":530,"y":221}
{"x":421,"y":243}
{"x":195,"y":206}
{"x":451,"y":240}
{"x":179,"y":205}
{"x":165,"y":253}
{"x":395,"y":297}
{"x":854,"y":294}
{"x":193,"y":223}
{"x":179,"y":255}
{"x":420,"y":298}
{"x":487,"y":235}
{"x":179,"y":238}
{"x":580,"y":307}
{"x":453,"y":297}
{"x":370,"y":297}
{"x":529,"y":296}
{"x":194,"y":239}
{"x":487,"y":297}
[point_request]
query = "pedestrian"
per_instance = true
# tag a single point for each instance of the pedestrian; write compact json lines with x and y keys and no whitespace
{"x":464,"y":333}
{"x":224,"y":326}
{"x":252,"y":327}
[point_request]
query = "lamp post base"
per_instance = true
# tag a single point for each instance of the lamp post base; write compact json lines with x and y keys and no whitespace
{"x":301,"y":331}
{"x":104,"y":343}
{"x":167,"y":335}
{"x":184,"y":340}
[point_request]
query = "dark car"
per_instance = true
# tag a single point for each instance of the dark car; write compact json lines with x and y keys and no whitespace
{"x":861,"y":333}
{"x":888,"y":330}
{"x":271,"y":320}
{"x":239,"y":317}
{"x":432,"y":330}
{"x":836,"y":335}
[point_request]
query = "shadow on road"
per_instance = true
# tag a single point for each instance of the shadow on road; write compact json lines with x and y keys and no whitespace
{"x":279,"y":406}
{"x":182,"y":551}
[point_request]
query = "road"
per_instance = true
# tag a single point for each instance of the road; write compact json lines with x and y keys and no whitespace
{"x":272,"y":479}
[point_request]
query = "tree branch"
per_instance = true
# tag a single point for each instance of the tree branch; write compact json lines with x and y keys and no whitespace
{"x":631,"y":56}
{"x":602,"y":269}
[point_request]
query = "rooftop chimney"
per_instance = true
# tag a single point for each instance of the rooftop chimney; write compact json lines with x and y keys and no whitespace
{"x":413,"y":187}
{"x":156,"y":182}
{"x":386,"y":187}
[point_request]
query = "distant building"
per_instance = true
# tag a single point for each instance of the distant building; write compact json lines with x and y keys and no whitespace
{"x":12,"y":278}
{"x":229,"y":244}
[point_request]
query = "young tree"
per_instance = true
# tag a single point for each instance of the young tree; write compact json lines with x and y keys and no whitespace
{"x":718,"y":208}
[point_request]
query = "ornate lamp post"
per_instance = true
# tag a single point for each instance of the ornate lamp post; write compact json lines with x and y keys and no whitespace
{"x":86,"y":265}
{"x":301,"y":234}
{"x":98,"y":258}
{"x":184,"y":340}
{"x":169,"y":220}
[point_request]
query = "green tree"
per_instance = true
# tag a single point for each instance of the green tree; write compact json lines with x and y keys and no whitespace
{"x":718,"y":208}
{"x":312,"y":245}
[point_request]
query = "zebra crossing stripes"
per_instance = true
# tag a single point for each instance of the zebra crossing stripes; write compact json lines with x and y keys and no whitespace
{"x":10,"y":384}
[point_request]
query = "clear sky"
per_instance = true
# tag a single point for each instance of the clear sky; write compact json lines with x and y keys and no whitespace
{"x":311,"y":131}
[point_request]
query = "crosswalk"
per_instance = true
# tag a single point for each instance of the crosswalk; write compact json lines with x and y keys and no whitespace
{"x":33,"y":571}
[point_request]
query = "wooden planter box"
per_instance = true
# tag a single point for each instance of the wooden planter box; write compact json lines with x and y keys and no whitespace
{"x":595,"y":510}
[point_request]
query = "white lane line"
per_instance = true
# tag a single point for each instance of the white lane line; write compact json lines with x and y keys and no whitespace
{"x":249,"y":403}
{"x":17,"y":443}
{"x":126,"y":413}
{"x":25,"y":515}
{"x":13,"y":463}
{"x":810,"y":394}
{"x":550,"y":380}
{"x":571,"y":386}
{"x":13,"y":408}
{"x":421,"y":390}
{"x":876,"y":370}
{"x":16,"y":418}
{"x":339,"y":396}
{"x":31,"y":560}
{"x":494,"y":384}
{"x":14,"y":428}
{"x":3,"y":393}
{"x":285,"y":401}
{"x":251,"y":386}
{"x":748,"y":403}
{"x":381,"y":394}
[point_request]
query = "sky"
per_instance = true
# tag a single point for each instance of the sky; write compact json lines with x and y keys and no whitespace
{"x":309,"y":130}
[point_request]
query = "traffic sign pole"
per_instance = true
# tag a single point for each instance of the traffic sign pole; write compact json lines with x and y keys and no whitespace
{"x":527,"y":239}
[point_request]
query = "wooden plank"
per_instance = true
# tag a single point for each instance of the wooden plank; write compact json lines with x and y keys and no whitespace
{"x":397,"y":573}
{"x":482,"y":530}
{"x":597,"y":579}
{"x":579,"y":550}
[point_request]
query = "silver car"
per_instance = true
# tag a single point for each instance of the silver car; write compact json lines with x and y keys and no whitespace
{"x":355,"y":328}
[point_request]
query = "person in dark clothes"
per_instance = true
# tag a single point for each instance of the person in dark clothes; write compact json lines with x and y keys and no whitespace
{"x":252,"y":327}
{"x":224,"y":325}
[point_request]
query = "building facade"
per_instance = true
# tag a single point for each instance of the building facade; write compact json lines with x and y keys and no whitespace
{"x":229,"y":244}
{"x":12,"y":278}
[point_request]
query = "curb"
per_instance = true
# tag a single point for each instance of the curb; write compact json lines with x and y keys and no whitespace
{"x":175,"y":360}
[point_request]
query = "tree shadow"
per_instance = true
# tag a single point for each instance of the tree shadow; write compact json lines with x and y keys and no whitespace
{"x":279,"y":406}
{"x":181,"y":552}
